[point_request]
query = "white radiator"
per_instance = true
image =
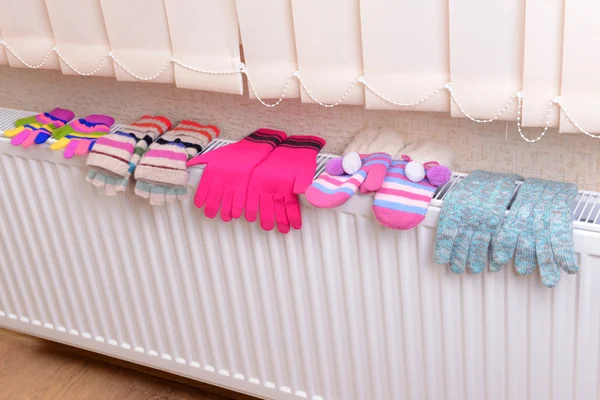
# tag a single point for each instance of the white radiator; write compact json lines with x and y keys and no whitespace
{"x":343,"y":309}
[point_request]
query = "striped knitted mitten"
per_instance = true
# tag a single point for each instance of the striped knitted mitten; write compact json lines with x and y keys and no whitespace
{"x":162,"y":173}
{"x":115,"y":156}
{"x":402,"y":203}
{"x":38,"y":128}
{"x":330,"y":191}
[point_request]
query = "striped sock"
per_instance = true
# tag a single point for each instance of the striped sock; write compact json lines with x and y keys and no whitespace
{"x":401,"y":203}
{"x":164,"y":164}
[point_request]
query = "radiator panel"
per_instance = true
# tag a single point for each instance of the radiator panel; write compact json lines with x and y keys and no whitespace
{"x":343,"y":309}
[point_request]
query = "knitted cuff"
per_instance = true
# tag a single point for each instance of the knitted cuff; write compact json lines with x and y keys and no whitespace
{"x":304,"y":142}
{"x":267,"y":136}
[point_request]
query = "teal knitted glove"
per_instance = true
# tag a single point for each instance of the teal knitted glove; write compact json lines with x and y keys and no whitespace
{"x":518,"y":229}
{"x":553,"y":228}
{"x":474,"y":216}
{"x":453,"y":214}
{"x":540,"y":228}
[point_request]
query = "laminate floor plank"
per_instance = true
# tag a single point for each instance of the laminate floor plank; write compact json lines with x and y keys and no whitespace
{"x":33,"y":368}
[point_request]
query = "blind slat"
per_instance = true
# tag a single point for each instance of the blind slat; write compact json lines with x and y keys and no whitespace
{"x":269,"y":21}
{"x":328,"y":44}
{"x":543,"y":60}
{"x":26,"y":28}
{"x":3,"y":59}
{"x":486,"y":55}
{"x":405,"y":50}
{"x":204,"y":35}
{"x":80,"y":34}
{"x":139,"y":38}
{"x":581,"y":57}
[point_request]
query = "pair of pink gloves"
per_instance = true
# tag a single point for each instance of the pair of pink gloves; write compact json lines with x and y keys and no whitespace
{"x":262,"y":174}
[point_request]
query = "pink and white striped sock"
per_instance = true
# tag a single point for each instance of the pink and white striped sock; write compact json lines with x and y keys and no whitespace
{"x":401,"y":203}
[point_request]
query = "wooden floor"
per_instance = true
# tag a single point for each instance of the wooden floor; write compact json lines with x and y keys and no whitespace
{"x":32,"y":368}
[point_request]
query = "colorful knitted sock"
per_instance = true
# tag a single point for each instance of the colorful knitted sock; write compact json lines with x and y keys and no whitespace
{"x":330,"y":191}
{"x":115,"y":156}
{"x":163,"y":167}
{"x":401,"y":203}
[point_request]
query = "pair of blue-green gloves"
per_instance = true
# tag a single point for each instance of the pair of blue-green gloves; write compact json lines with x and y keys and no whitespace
{"x":538,"y":231}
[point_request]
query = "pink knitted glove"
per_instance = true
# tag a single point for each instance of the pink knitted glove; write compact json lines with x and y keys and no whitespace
{"x":277,"y":181}
{"x":225,"y":178}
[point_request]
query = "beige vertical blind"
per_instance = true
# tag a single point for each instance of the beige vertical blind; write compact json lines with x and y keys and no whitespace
{"x":486,"y":55}
{"x":269,"y":66}
{"x":3,"y":59}
{"x":328,"y":44}
{"x":405,"y":50}
{"x":472,"y":58}
{"x":139,"y":37}
{"x":25,"y":27}
{"x":543,"y":60}
{"x":204,"y":34}
{"x":80,"y":34}
{"x":580,"y":93}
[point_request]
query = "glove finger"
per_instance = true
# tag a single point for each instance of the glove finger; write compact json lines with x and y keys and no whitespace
{"x":478,"y":251}
{"x":91,"y":175}
{"x":70,"y":148}
{"x":60,"y":144}
{"x":239,"y":200}
{"x":110,"y":189}
{"x":504,"y":245}
{"x":281,"y":217}
{"x":121,"y":185}
{"x":14,"y":132}
{"x":42,"y":136}
{"x":227,"y":203}
{"x":562,"y":242}
{"x":20,"y":137}
{"x":446,"y":234}
{"x":293,"y":211}
{"x":99,"y":181}
{"x":82,"y":147}
{"x":460,"y":251}
{"x":549,"y":271}
{"x":525,"y":259}
{"x":142,"y":189}
{"x":202,"y":158}
{"x":213,"y":202}
{"x":252,"y":201}
{"x":157,"y":195}
{"x":182,"y":193}
{"x":202,"y":191}
{"x":29,"y":140}
{"x":267,"y":211}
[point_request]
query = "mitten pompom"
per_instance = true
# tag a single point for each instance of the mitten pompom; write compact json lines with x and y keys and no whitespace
{"x":415,"y":171}
{"x":351,"y":163}
{"x":439,"y":175}
{"x":334,"y":167}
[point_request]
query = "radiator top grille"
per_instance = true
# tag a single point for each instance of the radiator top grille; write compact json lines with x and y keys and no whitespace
{"x":585,"y":207}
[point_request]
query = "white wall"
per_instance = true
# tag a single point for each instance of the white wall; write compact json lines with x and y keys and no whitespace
{"x":496,"y":146}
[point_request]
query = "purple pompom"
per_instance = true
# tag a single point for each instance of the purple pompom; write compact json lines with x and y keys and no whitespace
{"x":439,"y":175}
{"x":334,"y":167}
